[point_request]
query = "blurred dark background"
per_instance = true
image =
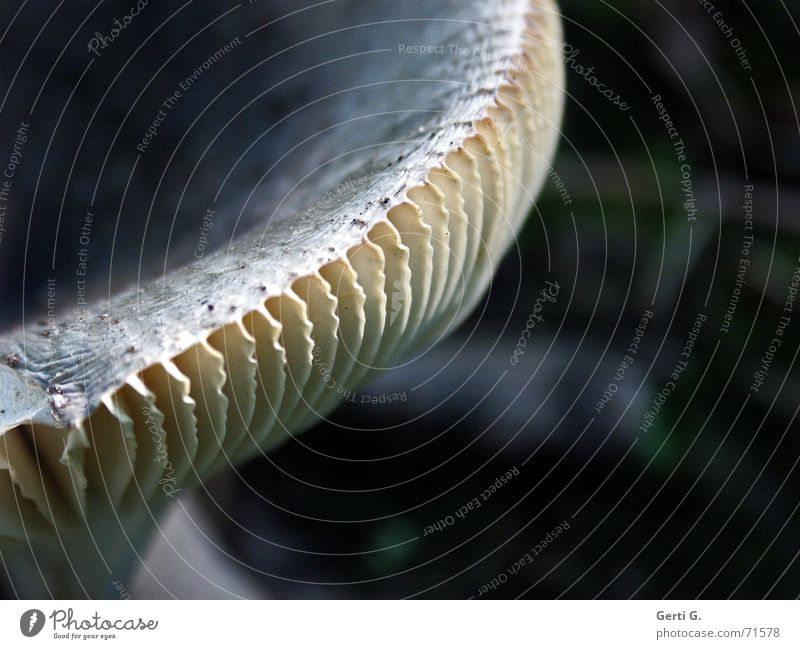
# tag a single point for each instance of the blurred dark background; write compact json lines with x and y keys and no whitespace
{"x":693,"y":493}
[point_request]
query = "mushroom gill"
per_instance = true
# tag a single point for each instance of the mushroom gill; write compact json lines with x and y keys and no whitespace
{"x":384,"y":246}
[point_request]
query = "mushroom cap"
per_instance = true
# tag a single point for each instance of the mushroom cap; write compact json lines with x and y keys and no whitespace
{"x":385,"y":244}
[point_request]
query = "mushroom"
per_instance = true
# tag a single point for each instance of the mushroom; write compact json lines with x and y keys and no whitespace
{"x":386,"y":246}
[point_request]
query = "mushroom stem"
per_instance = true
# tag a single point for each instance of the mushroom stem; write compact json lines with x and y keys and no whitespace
{"x":92,"y":564}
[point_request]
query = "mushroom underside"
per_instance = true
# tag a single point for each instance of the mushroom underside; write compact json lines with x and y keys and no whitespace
{"x":381,"y":240}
